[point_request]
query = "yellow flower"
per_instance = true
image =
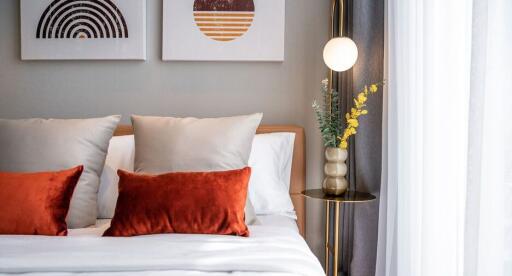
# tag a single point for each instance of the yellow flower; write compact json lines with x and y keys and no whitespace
{"x":361,"y":98}
{"x":353,"y":123}
{"x":352,"y":116}
{"x":355,"y":113}
{"x":343,"y":144}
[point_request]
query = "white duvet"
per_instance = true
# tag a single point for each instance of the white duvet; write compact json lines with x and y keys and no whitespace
{"x":270,"y":250}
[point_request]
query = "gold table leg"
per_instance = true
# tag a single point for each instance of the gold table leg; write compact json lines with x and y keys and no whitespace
{"x":334,"y":249}
{"x":336,"y":236}
{"x":327,"y":221}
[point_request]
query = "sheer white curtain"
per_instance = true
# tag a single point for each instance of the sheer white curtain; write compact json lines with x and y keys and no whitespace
{"x":444,"y":198}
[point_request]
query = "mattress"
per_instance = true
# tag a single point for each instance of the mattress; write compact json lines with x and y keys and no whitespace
{"x":274,"y":248}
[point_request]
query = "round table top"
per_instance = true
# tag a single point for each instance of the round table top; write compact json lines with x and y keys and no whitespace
{"x":347,"y":197}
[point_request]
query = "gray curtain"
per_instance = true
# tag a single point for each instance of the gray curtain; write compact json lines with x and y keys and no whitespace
{"x":364,"y":23}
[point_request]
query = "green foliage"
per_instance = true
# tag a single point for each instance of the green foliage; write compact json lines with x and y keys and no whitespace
{"x":329,"y":116}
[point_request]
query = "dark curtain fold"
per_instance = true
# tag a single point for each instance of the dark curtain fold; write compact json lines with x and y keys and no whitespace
{"x":364,"y":23}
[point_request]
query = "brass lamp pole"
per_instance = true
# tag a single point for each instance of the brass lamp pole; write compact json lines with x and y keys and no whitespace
{"x":333,"y":34}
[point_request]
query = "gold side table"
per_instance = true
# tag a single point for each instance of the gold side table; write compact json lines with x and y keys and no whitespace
{"x":347,"y":197}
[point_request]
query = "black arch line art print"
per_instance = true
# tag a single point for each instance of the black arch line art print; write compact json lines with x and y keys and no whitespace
{"x":68,"y":19}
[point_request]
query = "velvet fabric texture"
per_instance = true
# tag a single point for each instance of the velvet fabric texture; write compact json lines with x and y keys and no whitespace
{"x":36,"y":203}
{"x":181,"y":202}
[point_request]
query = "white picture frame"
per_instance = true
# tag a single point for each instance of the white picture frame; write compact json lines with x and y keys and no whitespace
{"x":83,"y":30}
{"x":193,"y":30}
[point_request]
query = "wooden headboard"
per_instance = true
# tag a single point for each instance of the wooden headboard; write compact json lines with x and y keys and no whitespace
{"x":298,"y":174}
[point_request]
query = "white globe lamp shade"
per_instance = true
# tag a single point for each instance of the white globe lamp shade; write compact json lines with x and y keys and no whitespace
{"x":340,"y":54}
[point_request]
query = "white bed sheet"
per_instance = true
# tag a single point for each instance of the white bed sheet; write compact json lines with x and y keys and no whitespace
{"x":274,"y":248}
{"x":266,"y":220}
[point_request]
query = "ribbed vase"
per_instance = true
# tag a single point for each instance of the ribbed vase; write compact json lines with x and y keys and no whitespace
{"x":335,"y":171}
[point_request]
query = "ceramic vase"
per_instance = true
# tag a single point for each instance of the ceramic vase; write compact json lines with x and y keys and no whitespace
{"x":335,"y":171}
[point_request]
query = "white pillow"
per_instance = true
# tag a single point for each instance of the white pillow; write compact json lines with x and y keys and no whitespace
{"x":271,"y":163}
{"x":121,"y":153}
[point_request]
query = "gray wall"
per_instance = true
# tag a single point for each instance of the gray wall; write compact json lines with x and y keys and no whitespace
{"x":282,"y":91}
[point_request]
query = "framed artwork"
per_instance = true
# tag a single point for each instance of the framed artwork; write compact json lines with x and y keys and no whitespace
{"x":83,"y":29}
{"x":233,"y":30}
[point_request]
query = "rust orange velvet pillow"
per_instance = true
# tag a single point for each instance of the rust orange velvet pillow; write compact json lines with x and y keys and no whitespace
{"x":36,"y":203}
{"x":182,"y":202}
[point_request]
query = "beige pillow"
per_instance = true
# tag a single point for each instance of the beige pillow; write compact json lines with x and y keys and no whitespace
{"x":167,"y":144}
{"x":31,"y":145}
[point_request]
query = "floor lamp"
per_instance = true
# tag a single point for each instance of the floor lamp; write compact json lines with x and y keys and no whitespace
{"x":340,"y":54}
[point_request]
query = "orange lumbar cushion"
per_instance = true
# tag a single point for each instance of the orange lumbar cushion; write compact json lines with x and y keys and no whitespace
{"x":182,"y":202}
{"x":36,"y":203}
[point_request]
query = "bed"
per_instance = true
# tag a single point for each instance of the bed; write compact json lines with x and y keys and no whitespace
{"x":275,"y":247}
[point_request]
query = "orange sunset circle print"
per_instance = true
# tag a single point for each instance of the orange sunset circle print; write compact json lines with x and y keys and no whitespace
{"x":223,"y":20}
